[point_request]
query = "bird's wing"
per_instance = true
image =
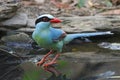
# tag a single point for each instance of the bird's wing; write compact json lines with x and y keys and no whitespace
{"x":57,"y":34}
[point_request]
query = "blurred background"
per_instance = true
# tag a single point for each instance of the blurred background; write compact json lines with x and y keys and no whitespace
{"x":96,"y":59}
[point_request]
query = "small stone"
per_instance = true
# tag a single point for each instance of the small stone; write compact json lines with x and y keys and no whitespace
{"x":39,"y":1}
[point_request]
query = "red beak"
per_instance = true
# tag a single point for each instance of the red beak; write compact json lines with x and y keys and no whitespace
{"x":55,"y":20}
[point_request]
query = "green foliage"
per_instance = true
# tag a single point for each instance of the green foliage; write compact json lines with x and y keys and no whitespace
{"x":81,"y":3}
{"x":31,"y":75}
{"x":108,"y":3}
{"x":62,"y":64}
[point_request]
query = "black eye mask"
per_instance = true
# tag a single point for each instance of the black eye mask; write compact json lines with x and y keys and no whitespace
{"x":42,"y":19}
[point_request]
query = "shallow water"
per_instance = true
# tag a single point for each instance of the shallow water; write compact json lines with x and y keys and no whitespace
{"x":79,"y":61}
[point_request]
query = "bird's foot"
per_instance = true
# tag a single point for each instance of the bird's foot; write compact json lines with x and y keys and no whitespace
{"x":52,"y":62}
{"x":47,"y":65}
{"x":40,"y":63}
{"x":44,"y":59}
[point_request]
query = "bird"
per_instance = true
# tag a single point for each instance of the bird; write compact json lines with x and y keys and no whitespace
{"x":48,"y":37}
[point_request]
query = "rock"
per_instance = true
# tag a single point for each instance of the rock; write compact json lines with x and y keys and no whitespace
{"x":20,"y":37}
{"x":27,"y":30}
{"x":90,"y":56}
{"x":31,"y":23}
{"x":19,"y":20}
{"x":79,"y":24}
{"x":9,"y":69}
{"x":107,"y":45}
{"x":20,"y":43}
{"x":8,"y":8}
{"x":90,"y":23}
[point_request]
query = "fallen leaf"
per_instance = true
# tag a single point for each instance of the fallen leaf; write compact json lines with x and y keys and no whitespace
{"x":81,"y":3}
{"x":66,"y":1}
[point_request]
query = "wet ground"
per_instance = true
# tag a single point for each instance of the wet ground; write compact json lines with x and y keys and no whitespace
{"x":79,"y":61}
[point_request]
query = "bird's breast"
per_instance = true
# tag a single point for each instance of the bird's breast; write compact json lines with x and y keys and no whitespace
{"x":42,"y":38}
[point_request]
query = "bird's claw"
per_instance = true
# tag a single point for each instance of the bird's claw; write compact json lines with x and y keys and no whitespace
{"x":45,"y":66}
{"x":40,"y":63}
{"x":43,"y":61}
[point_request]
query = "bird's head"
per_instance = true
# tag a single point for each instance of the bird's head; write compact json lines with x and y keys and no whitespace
{"x":47,"y":19}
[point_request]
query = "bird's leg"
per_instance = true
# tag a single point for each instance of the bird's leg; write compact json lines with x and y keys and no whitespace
{"x":44,"y":58}
{"x":48,"y":59}
{"x":53,"y":70}
{"x":51,"y":63}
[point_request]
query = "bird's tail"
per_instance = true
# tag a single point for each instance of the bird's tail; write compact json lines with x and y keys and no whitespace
{"x":70,"y":37}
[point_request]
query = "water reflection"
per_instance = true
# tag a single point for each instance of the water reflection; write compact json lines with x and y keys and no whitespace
{"x":56,"y":75}
{"x":59,"y":77}
{"x":33,"y":72}
{"x":72,"y":70}
{"x":66,"y":69}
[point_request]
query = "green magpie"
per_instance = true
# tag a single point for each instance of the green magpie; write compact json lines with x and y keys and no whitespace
{"x":48,"y":37}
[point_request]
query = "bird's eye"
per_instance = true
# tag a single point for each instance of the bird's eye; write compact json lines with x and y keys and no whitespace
{"x":45,"y":19}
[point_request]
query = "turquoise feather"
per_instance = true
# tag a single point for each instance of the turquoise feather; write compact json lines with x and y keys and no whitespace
{"x":44,"y":34}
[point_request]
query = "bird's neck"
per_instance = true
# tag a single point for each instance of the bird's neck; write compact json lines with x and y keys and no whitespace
{"x":43,"y":26}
